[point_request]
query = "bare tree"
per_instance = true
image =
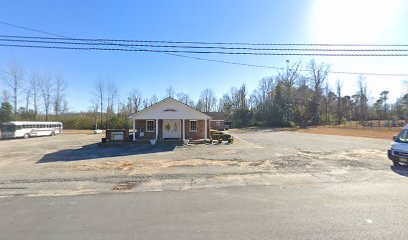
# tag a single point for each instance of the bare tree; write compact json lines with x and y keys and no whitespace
{"x":339,"y":86}
{"x":135,"y":100}
{"x":14,"y":81}
{"x":363,"y":98}
{"x":225,"y":106}
{"x":59,"y":94}
{"x":153,"y":100}
{"x":27,"y":93}
{"x":5,"y":96}
{"x":207,"y":101}
{"x":100,"y":90}
{"x":112,"y":94}
{"x":46,"y":87}
{"x":95,"y":111}
{"x":240,"y":98}
{"x":184,"y":98}
{"x":289,"y":79}
{"x":64,"y":108}
{"x":318,"y":75}
{"x":170,"y":92}
{"x":261,"y":99}
{"x":384,"y":98}
{"x":328,"y":98}
{"x":35,"y":88}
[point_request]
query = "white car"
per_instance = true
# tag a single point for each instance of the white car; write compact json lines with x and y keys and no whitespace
{"x":398,"y":151}
{"x":97,"y":131}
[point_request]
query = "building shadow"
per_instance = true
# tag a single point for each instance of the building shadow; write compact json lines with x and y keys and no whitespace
{"x":400,"y":169}
{"x":92,"y":152}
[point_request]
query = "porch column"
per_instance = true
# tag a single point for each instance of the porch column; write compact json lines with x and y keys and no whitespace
{"x":157,"y":128}
{"x":134,"y":130}
{"x":184,"y":129}
{"x":205,"y":129}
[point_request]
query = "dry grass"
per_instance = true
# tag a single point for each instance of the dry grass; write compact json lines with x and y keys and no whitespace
{"x":355,"y":132}
{"x":76,"y":131}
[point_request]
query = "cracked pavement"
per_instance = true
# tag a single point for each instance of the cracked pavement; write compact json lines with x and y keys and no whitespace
{"x":74,"y":164}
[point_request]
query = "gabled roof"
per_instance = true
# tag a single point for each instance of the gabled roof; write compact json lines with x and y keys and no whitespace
{"x":169,"y":108}
{"x":216,"y":115}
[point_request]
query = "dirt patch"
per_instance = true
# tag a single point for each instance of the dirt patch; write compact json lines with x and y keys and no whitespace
{"x":145,"y":166}
{"x":354,"y":132}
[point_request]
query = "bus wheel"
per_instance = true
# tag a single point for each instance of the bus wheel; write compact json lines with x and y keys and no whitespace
{"x":53,"y":134}
{"x":26,"y":136}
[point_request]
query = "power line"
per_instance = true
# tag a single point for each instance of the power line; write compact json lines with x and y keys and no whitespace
{"x":212,"y":52}
{"x":170,"y":54}
{"x":230,"y":62}
{"x":211,"y":43}
{"x":68,"y":41}
{"x":113,"y":42}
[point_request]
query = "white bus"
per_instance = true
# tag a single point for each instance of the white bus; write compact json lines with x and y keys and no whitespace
{"x":30,"y":129}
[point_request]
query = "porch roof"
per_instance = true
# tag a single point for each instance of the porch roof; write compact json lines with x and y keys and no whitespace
{"x":169,"y":108}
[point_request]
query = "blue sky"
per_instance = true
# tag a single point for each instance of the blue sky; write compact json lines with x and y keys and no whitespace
{"x":292,"y":21}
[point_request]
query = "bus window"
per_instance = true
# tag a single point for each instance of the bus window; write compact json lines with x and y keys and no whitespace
{"x":8,"y":128}
{"x":18,"y":127}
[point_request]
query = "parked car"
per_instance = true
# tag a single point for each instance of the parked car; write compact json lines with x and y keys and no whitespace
{"x":398,"y":151}
{"x":97,"y":131}
{"x":227,"y":125}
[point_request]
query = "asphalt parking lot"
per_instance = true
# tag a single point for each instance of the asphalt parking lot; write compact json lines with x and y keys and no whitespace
{"x":74,"y":164}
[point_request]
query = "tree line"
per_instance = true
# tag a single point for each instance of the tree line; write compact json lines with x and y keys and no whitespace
{"x":297,"y":96}
{"x":42,"y":95}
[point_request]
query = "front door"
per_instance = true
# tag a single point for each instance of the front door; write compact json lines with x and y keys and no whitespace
{"x":171,"y":129}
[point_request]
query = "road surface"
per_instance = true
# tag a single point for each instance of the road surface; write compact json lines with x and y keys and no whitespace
{"x":346,"y":210}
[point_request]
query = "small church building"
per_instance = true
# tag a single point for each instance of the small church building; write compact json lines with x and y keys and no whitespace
{"x":170,"y":119}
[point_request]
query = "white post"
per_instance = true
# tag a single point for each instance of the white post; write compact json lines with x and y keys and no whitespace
{"x":157,"y":128}
{"x":205,"y":129}
{"x":184,"y":130}
{"x":134,"y":130}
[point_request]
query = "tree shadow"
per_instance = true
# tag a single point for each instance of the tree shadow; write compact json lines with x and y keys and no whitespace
{"x":92,"y":151}
{"x":400,"y":169}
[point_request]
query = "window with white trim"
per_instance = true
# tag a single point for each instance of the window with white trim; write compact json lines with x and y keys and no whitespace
{"x":149,"y":125}
{"x":193,"y":125}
